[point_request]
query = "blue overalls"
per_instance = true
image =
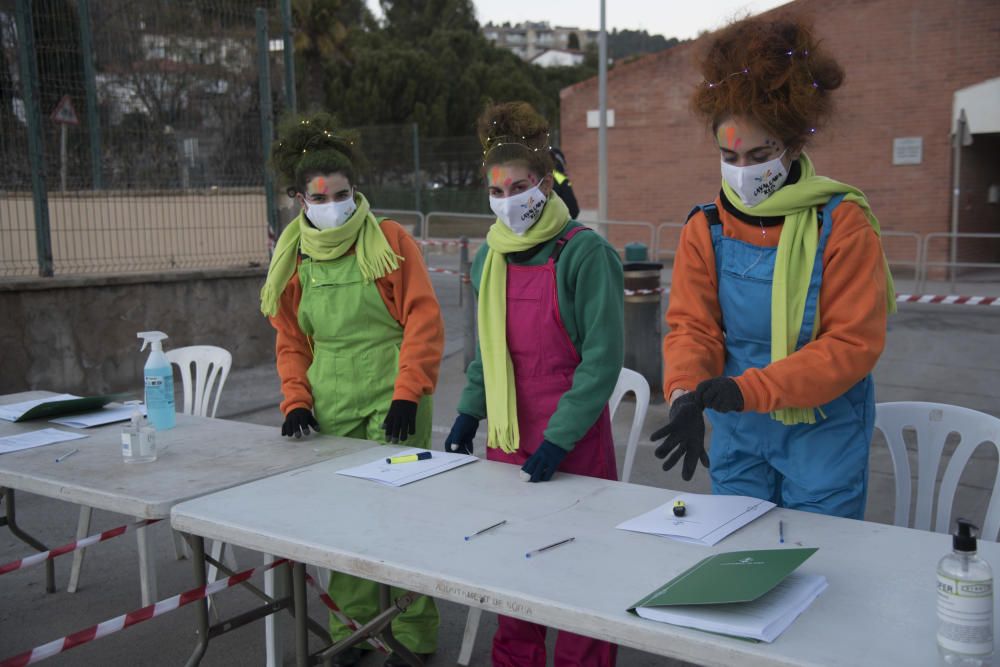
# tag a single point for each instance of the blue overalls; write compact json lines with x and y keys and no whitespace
{"x":821,"y":467}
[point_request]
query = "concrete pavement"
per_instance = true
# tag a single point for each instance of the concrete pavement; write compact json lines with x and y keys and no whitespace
{"x":947,"y":354}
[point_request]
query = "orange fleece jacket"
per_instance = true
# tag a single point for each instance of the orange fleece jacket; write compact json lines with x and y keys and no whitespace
{"x":410,"y":300}
{"x":852,"y":311}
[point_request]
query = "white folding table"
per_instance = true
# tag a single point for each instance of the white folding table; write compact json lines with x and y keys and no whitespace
{"x":197,"y":457}
{"x":878,"y":610}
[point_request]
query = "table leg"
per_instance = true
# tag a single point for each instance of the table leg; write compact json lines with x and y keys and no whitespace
{"x":82,"y":531}
{"x":10,"y":520}
{"x":385,"y":603}
{"x":301,"y":615}
{"x":147,"y":566}
{"x":201,"y":606}
{"x":378,"y":627}
{"x":276,"y":625}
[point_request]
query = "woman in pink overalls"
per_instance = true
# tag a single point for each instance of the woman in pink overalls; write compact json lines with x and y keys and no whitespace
{"x":550,"y":345}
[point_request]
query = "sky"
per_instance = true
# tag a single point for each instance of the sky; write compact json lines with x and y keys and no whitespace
{"x":671,"y":18}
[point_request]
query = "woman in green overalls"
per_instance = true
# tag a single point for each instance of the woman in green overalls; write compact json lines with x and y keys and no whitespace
{"x":359,"y":332}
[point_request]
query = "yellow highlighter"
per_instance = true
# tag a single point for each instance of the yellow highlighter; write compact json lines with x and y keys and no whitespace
{"x":409,"y":458}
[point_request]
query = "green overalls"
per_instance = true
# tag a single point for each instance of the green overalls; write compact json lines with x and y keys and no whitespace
{"x":356,"y":346}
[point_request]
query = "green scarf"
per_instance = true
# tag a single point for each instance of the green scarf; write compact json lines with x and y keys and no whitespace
{"x":793,"y":267}
{"x":375,"y":257}
{"x":498,"y":371}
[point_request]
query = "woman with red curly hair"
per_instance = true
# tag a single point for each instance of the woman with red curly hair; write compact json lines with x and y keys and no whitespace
{"x":780,"y":288}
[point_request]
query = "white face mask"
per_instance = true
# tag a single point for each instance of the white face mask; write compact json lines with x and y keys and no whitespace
{"x":756,"y":182}
{"x":331,"y":214}
{"x":520,"y":211}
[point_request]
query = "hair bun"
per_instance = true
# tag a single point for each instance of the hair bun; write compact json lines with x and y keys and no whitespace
{"x":512,"y":132}
{"x":774,"y":71}
{"x":300,"y":135}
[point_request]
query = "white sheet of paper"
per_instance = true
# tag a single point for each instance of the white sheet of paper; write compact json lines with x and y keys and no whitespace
{"x":764,"y":618}
{"x":46,"y":436}
{"x":400,"y":474}
{"x":707,"y":519}
{"x":14,"y":411}
{"x":106,"y":415}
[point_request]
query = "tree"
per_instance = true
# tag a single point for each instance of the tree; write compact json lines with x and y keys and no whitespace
{"x":321,"y":40}
{"x":625,"y":43}
{"x":416,"y":20}
{"x":573,"y":42}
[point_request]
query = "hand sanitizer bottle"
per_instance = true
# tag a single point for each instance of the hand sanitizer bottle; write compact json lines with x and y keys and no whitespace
{"x":965,"y":603}
{"x":159,"y":380}
{"x":138,"y":440}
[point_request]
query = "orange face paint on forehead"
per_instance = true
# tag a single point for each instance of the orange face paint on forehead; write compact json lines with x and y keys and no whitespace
{"x":497,"y":174}
{"x":733,"y":134}
{"x":318,"y":186}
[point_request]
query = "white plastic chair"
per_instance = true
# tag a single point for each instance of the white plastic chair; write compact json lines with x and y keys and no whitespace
{"x":933,"y":423}
{"x":631,"y":382}
{"x":203,"y":371}
{"x":201,"y":366}
{"x":628,"y":381}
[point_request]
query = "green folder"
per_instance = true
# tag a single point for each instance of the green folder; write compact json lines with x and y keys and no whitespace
{"x":747,"y":594}
{"x":69,"y":406}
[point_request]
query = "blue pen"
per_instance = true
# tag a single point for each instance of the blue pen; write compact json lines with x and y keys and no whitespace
{"x":551,"y":546}
{"x":781,"y":532}
{"x":66,"y":455}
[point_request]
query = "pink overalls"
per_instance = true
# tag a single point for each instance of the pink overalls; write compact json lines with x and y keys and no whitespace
{"x":544,"y":361}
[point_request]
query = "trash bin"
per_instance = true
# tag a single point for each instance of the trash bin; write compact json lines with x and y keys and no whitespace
{"x":636,"y":252}
{"x":643,"y":329}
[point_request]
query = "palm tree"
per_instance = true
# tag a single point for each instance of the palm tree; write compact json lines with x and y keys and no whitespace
{"x":322,"y":30}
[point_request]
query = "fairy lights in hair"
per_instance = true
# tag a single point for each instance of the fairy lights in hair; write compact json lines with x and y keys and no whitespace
{"x":713,"y":84}
{"x":746,"y":70}
{"x":512,"y":140}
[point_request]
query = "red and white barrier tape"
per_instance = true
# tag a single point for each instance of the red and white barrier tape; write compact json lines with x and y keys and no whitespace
{"x":450,"y":272}
{"x":126,"y":620}
{"x":344,"y":618}
{"x":442,"y":243}
{"x":643,"y":292}
{"x":950,"y":299}
{"x":74,"y":546}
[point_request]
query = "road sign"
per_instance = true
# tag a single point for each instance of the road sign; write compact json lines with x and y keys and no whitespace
{"x":64,"y":113}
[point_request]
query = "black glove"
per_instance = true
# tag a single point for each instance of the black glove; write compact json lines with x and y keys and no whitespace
{"x":401,"y":421}
{"x":462,"y":433}
{"x":685,"y":435}
{"x":721,"y":394}
{"x":543,"y":463}
{"x":298,"y":422}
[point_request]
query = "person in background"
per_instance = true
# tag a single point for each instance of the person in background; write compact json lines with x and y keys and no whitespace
{"x":561,"y":183}
{"x":551,"y":313}
{"x":359,"y":332}
{"x":780,"y":289}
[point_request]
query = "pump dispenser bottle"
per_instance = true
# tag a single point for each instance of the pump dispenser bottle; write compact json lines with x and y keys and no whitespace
{"x":965,"y":603}
{"x":159,"y":380}
{"x":138,"y":440}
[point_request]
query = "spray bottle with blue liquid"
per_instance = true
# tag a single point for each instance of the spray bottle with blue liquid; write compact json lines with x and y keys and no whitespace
{"x":159,"y":380}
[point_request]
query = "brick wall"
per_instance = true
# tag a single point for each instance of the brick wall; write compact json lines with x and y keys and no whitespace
{"x":904,"y":60}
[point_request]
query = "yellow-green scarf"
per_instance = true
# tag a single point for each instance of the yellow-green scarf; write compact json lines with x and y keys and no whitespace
{"x":796,"y":255}
{"x":375,"y":256}
{"x":498,"y":372}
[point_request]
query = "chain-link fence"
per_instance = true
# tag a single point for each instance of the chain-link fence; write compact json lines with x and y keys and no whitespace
{"x":130,"y":133}
{"x":407,"y":171}
{"x":132,"y":137}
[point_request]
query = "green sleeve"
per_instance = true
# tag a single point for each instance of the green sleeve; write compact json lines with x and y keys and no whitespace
{"x":472,"y":402}
{"x":592,"y":303}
